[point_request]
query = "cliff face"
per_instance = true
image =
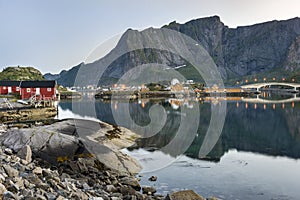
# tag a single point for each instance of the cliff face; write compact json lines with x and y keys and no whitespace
{"x":245,"y":50}
{"x":292,"y":62}
{"x":237,"y":52}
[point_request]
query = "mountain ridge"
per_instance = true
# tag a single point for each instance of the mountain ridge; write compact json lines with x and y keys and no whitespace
{"x":264,"y":49}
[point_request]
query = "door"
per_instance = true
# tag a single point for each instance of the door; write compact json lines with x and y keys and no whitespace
{"x":38,"y":91}
{"x":9,"y":90}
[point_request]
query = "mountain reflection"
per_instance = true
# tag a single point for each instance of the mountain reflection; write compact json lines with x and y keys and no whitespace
{"x":251,"y":127}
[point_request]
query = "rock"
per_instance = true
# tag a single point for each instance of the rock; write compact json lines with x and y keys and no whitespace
{"x":14,"y":159}
{"x":2,"y":178}
{"x":8,"y":151}
{"x":131,"y":182}
{"x":46,"y":173}
{"x":25,"y":153}
{"x":11,"y":172}
{"x":60,"y":198}
{"x":40,"y":197}
{"x":27,"y":193}
{"x":153,"y":178}
{"x":140,"y":196}
{"x":26,"y":183}
{"x":148,"y":190}
{"x":111,"y":188}
{"x":34,"y":179}
{"x":30,"y":166}
{"x":83,"y":178}
{"x":43,"y":186}
{"x":64,"y":176}
{"x":19,"y":183}
{"x":8,"y":196}
{"x":126,"y":190}
{"x":184,"y":195}
{"x":81,"y":195}
{"x":86,"y":186}
{"x":2,"y":189}
{"x":116,"y":198}
{"x":12,"y":187}
{"x":106,"y":173}
{"x":21,"y":168}
{"x":61,"y":141}
{"x":38,"y":171}
{"x":129,"y":197}
{"x":24,"y":162}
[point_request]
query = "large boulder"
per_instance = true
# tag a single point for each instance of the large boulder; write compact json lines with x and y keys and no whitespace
{"x":184,"y":195}
{"x":72,"y":139}
{"x":25,"y":153}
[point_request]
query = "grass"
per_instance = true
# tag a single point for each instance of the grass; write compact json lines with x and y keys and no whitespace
{"x":21,"y":73}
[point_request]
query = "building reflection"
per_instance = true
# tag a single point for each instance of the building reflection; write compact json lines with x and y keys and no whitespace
{"x":267,"y":128}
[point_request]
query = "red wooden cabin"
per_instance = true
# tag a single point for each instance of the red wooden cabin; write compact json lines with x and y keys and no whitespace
{"x":41,"y":90}
{"x":9,"y":87}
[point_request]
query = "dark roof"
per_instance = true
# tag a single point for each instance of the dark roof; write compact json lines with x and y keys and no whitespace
{"x":10,"y":83}
{"x":38,"y":84}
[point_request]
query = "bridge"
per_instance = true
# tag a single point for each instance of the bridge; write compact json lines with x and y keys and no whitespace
{"x":269,"y":101}
{"x":258,"y":86}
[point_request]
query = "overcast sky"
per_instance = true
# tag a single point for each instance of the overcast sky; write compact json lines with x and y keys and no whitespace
{"x":59,"y":34}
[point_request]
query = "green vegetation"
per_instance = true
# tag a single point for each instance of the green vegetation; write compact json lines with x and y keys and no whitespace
{"x":61,"y":89}
{"x":190,"y":73}
{"x":155,"y":87}
{"x":20,"y":74}
{"x":199,"y":86}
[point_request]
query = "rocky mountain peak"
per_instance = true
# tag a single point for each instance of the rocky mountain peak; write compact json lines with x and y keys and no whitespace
{"x":237,"y":52}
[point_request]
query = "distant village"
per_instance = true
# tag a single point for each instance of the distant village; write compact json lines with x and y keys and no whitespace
{"x":174,"y":85}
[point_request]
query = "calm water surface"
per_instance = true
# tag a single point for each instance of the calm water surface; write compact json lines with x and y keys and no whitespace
{"x":256,"y":156}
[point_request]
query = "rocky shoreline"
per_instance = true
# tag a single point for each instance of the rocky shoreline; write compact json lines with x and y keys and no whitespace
{"x":25,"y":113}
{"x":26,"y":172}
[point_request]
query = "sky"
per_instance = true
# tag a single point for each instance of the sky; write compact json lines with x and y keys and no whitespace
{"x":53,"y":35}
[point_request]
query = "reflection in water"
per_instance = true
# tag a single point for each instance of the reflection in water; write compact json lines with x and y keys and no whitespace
{"x":258,"y":128}
{"x":257,"y":152}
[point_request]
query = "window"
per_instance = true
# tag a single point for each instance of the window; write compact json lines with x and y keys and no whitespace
{"x":17,"y":89}
{"x":49,"y":89}
{"x":28,"y":89}
{"x":4,"y":88}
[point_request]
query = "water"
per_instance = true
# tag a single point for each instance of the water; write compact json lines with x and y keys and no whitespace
{"x":256,"y":155}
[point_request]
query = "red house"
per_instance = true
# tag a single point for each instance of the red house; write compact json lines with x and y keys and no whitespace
{"x":41,"y":90}
{"x":9,"y":87}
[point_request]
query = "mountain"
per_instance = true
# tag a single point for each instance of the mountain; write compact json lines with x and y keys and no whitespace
{"x":270,"y":49}
{"x":51,"y":77}
{"x":21,"y":73}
